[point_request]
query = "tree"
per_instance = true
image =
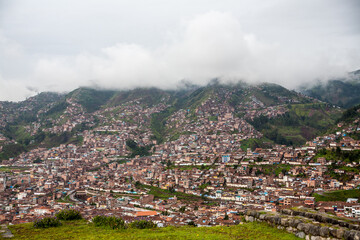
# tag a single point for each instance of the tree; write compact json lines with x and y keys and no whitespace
{"x":182,"y":209}
{"x":338,"y":151}
{"x":38,"y":160}
{"x":165,"y":213}
{"x":192,"y":223}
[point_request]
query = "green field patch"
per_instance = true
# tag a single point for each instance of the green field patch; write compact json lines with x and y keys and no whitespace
{"x":275,"y":169}
{"x":160,"y":193}
{"x":11,"y":169}
{"x":340,"y":195}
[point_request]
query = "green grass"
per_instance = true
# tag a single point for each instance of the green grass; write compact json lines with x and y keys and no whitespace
{"x":213,"y":118}
{"x":83,"y":230}
{"x":91,"y":99}
{"x":254,"y":143}
{"x":57,"y":109}
{"x":275,"y":169}
{"x":338,"y":154}
{"x":160,"y":193}
{"x":341,"y":195}
{"x":10,"y":169}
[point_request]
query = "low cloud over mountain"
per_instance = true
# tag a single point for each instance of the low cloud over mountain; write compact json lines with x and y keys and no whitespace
{"x":289,"y":44}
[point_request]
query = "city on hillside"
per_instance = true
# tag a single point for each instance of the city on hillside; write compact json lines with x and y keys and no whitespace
{"x":210,"y":165}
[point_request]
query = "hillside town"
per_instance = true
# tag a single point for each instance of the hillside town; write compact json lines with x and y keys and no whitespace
{"x":206,"y":174}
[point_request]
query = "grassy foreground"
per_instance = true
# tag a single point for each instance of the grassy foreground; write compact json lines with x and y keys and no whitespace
{"x":83,"y":230}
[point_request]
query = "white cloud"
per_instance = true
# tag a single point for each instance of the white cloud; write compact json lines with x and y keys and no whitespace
{"x":13,"y":90}
{"x":209,"y":45}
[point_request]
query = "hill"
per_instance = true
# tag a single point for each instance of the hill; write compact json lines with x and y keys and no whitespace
{"x":300,"y":123}
{"x":350,"y":114}
{"x":84,"y":230}
{"x":281,"y":115}
{"x":90,"y":99}
{"x":268,"y":112}
{"x":340,"y":92}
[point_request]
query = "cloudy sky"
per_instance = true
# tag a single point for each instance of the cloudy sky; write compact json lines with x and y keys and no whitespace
{"x":52,"y":45}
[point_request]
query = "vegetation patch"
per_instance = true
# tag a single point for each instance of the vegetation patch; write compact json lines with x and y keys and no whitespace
{"x":138,"y":150}
{"x":160,"y":193}
{"x":350,"y":115}
{"x":338,"y":154}
{"x":302,"y":122}
{"x":69,"y":214}
{"x":47,"y":222}
{"x":341,"y":195}
{"x":254,"y":143}
{"x":82,"y":230}
{"x":11,"y":150}
{"x":275,"y":169}
{"x":111,"y":222}
{"x":142,"y":224}
{"x":91,"y":99}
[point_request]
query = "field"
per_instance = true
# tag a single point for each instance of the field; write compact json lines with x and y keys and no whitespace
{"x":83,"y":230}
{"x":340,"y":195}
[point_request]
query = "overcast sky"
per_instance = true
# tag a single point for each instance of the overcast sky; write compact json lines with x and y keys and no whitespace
{"x":52,"y":45}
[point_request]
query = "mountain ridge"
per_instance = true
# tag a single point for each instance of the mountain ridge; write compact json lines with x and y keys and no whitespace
{"x":291,"y":116}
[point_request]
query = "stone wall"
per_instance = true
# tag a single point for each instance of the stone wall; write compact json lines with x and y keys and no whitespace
{"x":304,"y":228}
{"x":323,"y":219}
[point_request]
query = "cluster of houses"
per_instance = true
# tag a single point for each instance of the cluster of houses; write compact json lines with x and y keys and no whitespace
{"x":204,"y":176}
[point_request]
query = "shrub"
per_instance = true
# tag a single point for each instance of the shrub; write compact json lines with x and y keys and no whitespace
{"x":69,"y":214}
{"x":47,"y":222}
{"x":112,"y":222}
{"x":116,"y":223}
{"x":99,"y":221}
{"x":192,"y":223}
{"x":142,"y":224}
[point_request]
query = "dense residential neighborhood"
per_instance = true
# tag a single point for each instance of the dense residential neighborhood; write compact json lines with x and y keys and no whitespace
{"x":206,"y":174}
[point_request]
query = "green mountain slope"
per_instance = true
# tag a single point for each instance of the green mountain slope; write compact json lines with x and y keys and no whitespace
{"x":91,"y":99}
{"x":304,"y":119}
{"x":301,"y":119}
{"x":302,"y":122}
{"x":342,"y":92}
{"x":145,"y":96}
{"x":350,"y":114}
